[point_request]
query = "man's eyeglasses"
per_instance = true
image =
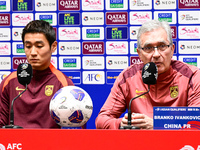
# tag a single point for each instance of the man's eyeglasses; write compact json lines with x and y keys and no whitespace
{"x":150,"y":49}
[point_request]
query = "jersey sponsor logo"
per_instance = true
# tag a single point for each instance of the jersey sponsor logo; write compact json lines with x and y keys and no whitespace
{"x":49,"y":90}
{"x":174,"y":91}
{"x":137,"y":93}
{"x":19,"y":89}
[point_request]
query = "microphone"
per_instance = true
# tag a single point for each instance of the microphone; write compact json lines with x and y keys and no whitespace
{"x":24,"y":75}
{"x":150,"y":73}
{"x":149,"y":77}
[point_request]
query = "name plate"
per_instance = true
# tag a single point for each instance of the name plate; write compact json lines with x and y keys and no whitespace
{"x":176,"y":118}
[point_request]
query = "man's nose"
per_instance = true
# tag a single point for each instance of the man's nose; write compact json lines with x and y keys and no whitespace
{"x":34,"y":50}
{"x":156,"y":52}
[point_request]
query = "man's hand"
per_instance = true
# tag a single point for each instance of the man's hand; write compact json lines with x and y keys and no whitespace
{"x":138,"y":120}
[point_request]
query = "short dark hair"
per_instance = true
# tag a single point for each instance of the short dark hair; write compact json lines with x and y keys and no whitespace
{"x":40,"y":26}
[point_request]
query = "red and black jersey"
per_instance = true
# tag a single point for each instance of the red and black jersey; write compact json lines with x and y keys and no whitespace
{"x":179,"y":86}
{"x":31,"y":109}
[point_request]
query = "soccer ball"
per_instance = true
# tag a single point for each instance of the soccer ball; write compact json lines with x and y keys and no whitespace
{"x":71,"y":106}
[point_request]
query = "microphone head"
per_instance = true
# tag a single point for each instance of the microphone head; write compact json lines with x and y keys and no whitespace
{"x":24,"y":73}
{"x":150,"y":73}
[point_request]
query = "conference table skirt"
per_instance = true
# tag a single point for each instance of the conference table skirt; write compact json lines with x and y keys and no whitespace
{"x":70,"y":139}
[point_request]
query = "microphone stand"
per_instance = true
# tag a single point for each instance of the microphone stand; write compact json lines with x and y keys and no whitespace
{"x":129,"y":126}
{"x":12,"y":114}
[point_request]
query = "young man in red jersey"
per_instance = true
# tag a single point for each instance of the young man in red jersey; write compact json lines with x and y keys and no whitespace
{"x":31,"y":109}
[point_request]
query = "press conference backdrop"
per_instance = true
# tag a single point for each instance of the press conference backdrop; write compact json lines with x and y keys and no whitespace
{"x":97,"y":38}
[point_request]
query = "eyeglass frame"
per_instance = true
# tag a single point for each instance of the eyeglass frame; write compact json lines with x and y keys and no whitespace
{"x":157,"y":47}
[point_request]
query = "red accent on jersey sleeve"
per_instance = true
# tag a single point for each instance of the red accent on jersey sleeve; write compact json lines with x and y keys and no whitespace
{"x":59,"y":75}
{"x":7,"y":80}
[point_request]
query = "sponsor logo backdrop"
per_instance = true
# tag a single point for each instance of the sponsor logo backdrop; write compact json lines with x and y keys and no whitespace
{"x":97,"y":38}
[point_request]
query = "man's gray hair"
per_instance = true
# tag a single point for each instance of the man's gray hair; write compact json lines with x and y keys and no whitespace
{"x":152,"y":25}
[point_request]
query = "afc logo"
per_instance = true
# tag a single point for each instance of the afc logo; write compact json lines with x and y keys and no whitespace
{"x":11,"y":146}
{"x":93,"y":77}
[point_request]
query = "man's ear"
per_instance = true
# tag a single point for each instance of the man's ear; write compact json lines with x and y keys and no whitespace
{"x":172,"y":50}
{"x":54,"y":46}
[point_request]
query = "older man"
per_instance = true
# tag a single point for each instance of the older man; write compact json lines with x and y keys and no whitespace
{"x":178,"y":84}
